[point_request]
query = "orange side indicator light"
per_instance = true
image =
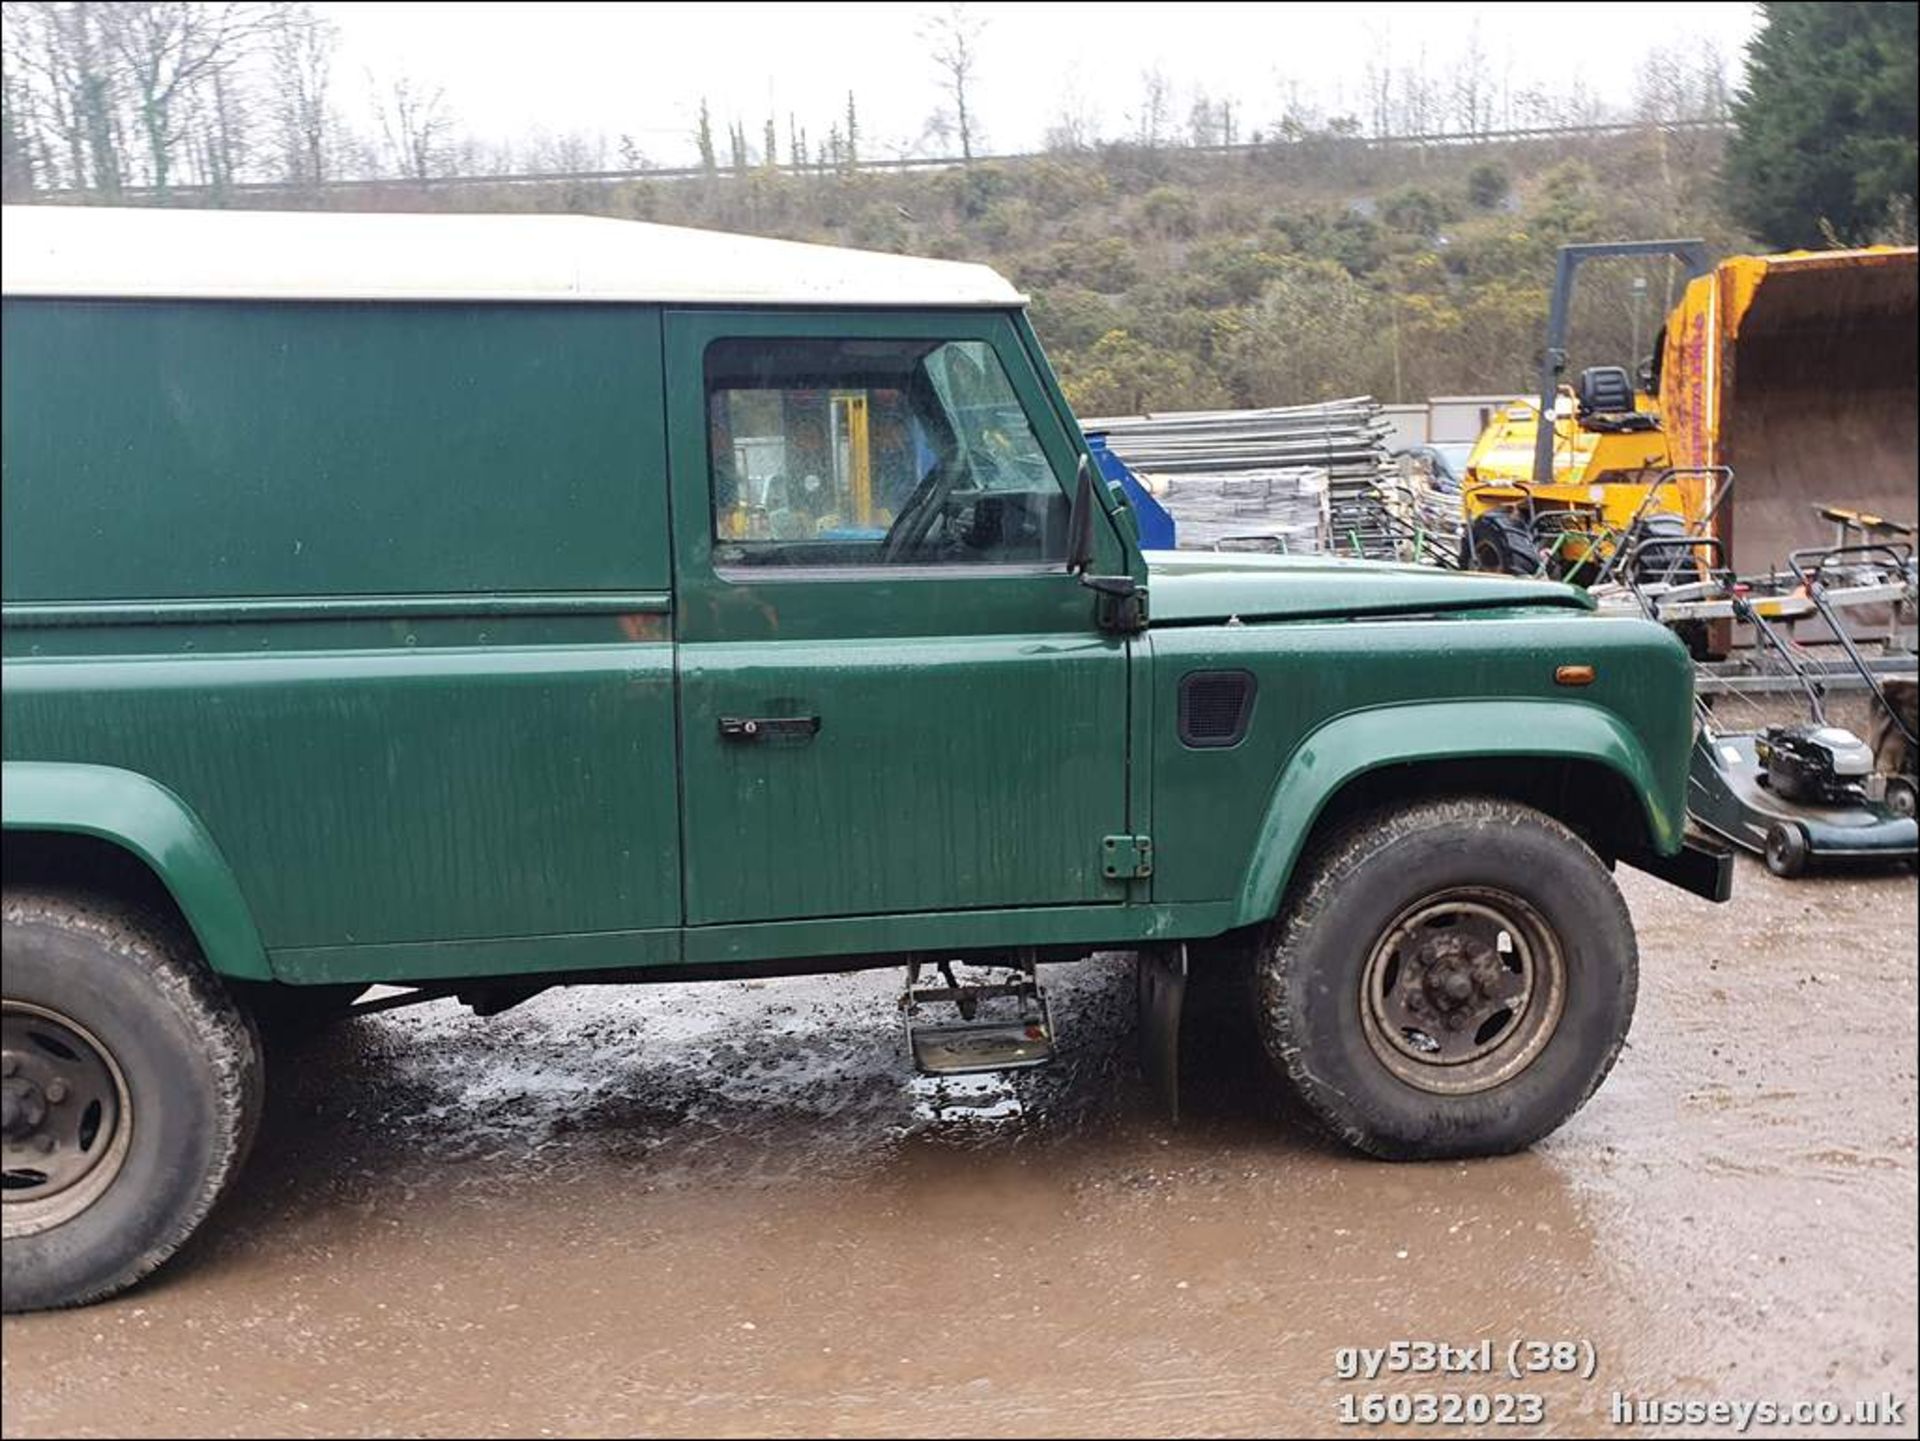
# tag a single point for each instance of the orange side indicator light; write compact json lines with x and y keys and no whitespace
{"x":1573,"y":675}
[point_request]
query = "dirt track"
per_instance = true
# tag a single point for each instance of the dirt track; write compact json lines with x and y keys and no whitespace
{"x":730,"y":1209}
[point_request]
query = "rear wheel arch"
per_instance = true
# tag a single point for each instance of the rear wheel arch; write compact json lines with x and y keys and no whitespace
{"x":129,"y":839}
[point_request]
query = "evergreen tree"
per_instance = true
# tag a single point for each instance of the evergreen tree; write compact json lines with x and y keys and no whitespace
{"x":1827,"y":121}
{"x":704,"y":138}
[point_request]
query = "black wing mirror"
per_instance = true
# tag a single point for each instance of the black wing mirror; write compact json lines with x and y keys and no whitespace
{"x":1080,"y":520}
{"x":1123,"y":602}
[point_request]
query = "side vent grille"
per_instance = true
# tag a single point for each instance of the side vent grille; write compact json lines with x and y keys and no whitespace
{"x":1215,"y":706}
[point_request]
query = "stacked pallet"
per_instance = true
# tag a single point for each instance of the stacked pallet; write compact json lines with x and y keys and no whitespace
{"x":1294,"y":478}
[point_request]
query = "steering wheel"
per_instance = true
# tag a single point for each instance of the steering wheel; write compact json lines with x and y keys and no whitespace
{"x":910,"y":526}
{"x":928,"y":501}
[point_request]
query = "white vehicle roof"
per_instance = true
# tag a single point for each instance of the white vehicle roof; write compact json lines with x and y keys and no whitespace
{"x":330,"y":255}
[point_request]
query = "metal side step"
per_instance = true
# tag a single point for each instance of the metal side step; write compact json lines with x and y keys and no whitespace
{"x":995,"y":1026}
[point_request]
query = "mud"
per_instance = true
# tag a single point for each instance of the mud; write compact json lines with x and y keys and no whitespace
{"x":730,"y":1209}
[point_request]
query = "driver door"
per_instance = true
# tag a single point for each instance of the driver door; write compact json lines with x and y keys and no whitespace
{"x":892,"y":698}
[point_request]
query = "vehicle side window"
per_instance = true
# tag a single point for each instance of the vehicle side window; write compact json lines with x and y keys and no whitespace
{"x":874,"y":452}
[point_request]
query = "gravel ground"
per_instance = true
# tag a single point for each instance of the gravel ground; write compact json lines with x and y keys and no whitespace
{"x":731,"y":1209}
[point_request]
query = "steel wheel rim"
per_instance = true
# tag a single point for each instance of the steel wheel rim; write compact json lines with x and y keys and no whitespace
{"x":1463,"y":990}
{"x":68,"y":1119}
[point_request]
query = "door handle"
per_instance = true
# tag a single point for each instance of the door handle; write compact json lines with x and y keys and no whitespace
{"x":753,"y":728}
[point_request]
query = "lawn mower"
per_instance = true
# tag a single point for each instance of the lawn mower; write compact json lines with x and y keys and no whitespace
{"x":1801,"y":793}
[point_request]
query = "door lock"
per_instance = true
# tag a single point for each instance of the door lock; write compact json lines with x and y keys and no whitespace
{"x":753,"y":728}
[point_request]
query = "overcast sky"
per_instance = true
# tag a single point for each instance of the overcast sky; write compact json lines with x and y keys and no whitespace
{"x":641,"y":69}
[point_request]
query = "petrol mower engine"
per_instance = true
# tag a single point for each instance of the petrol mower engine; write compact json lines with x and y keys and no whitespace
{"x":1815,"y":764}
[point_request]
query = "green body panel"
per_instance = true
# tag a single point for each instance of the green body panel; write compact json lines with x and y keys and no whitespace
{"x":151,"y":822}
{"x":397,"y":793}
{"x":1338,"y":698}
{"x":972,"y":747}
{"x":965,"y":772}
{"x":381,"y":592}
{"x":391,"y":637}
{"x":330,"y":449}
{"x":1196,"y":587}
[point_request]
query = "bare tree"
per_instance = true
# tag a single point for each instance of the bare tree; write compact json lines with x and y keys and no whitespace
{"x":954,"y":34}
{"x":936,"y":134}
{"x":1156,"y":99}
{"x":61,"y":61}
{"x":1300,"y":115}
{"x":217,"y":129}
{"x":1419,"y":104}
{"x":572,"y":152}
{"x":301,"y":70}
{"x":169,"y":49}
{"x":1472,"y":87}
{"x":1076,"y":123}
{"x":1203,"y":121}
{"x":18,"y":164}
{"x":1379,"y":77}
{"x":416,"y":125}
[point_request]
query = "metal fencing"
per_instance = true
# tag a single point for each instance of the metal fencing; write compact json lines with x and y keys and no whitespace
{"x":1296,"y":478}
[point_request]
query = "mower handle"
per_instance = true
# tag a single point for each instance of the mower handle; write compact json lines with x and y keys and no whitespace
{"x":1899,"y":555}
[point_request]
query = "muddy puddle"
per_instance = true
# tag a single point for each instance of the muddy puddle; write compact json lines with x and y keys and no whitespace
{"x":731,"y":1209}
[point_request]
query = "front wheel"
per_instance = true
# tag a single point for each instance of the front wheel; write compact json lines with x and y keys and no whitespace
{"x":1451,"y":978}
{"x":132,"y":1084}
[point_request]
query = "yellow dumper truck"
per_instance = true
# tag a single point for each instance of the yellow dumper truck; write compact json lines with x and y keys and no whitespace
{"x":1780,"y":383}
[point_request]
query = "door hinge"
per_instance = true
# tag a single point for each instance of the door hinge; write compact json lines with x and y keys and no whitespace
{"x":1124,"y":858}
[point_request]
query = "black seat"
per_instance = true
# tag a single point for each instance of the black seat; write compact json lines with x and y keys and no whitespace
{"x":1605,"y":390}
{"x":1606,"y":400}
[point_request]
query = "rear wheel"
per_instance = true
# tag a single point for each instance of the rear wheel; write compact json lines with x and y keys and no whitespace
{"x":131,"y":1089}
{"x":1500,"y":542}
{"x":1451,"y":978}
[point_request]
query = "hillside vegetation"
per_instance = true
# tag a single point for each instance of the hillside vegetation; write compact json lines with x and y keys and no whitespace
{"x":1172,"y":270}
{"x":1296,"y":271}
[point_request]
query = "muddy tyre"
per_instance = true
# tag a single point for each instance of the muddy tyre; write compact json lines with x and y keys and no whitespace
{"x":1502,"y":544}
{"x":1449,"y":978}
{"x":132,"y":1090}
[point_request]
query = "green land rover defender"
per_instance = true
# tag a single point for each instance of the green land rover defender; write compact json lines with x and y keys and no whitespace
{"x":474,"y":605}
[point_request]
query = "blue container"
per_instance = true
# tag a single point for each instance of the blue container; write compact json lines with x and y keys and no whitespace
{"x":1155,"y":525}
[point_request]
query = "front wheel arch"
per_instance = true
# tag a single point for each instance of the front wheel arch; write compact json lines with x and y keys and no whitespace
{"x":1575,"y":763}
